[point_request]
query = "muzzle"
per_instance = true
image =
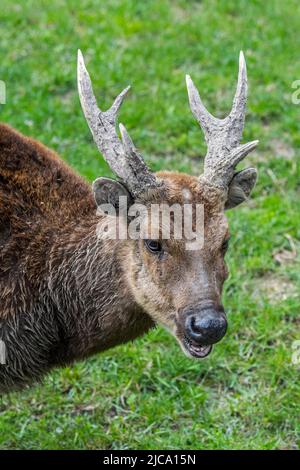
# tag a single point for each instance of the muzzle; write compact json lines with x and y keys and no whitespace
{"x":203,"y":327}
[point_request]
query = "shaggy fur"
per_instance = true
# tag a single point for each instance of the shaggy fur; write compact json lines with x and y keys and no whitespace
{"x":62,"y":295}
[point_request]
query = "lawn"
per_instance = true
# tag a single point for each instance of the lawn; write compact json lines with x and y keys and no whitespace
{"x":148,"y":395}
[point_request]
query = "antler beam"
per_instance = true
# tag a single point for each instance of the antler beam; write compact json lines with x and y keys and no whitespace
{"x":122,"y":156}
{"x":223,"y":135}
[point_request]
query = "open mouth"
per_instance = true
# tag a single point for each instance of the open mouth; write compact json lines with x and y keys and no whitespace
{"x":196,"y":350}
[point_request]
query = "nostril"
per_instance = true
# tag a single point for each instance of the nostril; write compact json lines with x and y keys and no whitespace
{"x":196,"y":327}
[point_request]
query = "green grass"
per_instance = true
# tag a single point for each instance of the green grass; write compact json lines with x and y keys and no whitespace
{"x":147,"y":395}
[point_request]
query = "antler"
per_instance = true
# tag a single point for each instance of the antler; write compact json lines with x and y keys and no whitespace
{"x":223,"y":135}
{"x":122,"y":156}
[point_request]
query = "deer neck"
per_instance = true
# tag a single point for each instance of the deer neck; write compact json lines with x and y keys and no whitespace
{"x":94,"y":305}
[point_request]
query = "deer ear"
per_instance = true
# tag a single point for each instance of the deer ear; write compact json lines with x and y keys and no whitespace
{"x":108,"y":191}
{"x":240,"y":187}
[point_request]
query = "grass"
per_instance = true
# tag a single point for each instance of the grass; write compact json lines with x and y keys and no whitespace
{"x":147,"y":395}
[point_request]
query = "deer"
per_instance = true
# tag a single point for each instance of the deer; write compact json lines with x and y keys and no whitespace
{"x":65,"y":292}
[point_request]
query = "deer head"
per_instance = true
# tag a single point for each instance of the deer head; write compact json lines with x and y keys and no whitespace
{"x":179,"y":288}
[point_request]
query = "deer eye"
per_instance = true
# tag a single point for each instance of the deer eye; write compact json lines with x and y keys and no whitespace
{"x":225,"y":245}
{"x":154,"y":246}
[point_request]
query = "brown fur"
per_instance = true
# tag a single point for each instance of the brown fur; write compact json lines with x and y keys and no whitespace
{"x":65,"y":294}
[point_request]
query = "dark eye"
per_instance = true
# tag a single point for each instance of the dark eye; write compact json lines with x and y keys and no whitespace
{"x":225,"y":245}
{"x":154,"y":246}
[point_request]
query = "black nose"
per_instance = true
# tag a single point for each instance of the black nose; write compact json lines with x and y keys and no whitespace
{"x":206,"y":326}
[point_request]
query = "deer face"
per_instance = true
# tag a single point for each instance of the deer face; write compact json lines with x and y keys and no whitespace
{"x":178,"y":287}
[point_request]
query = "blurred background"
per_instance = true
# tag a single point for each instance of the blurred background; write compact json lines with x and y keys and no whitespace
{"x":148,"y":395}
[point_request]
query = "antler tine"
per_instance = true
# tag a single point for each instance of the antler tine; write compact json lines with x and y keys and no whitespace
{"x":238,"y":111}
{"x":136,"y":162}
{"x":206,"y":120}
{"x":132,"y":171}
{"x":223,"y":135}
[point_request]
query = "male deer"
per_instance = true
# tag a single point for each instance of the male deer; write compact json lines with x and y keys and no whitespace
{"x":65,"y":293}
